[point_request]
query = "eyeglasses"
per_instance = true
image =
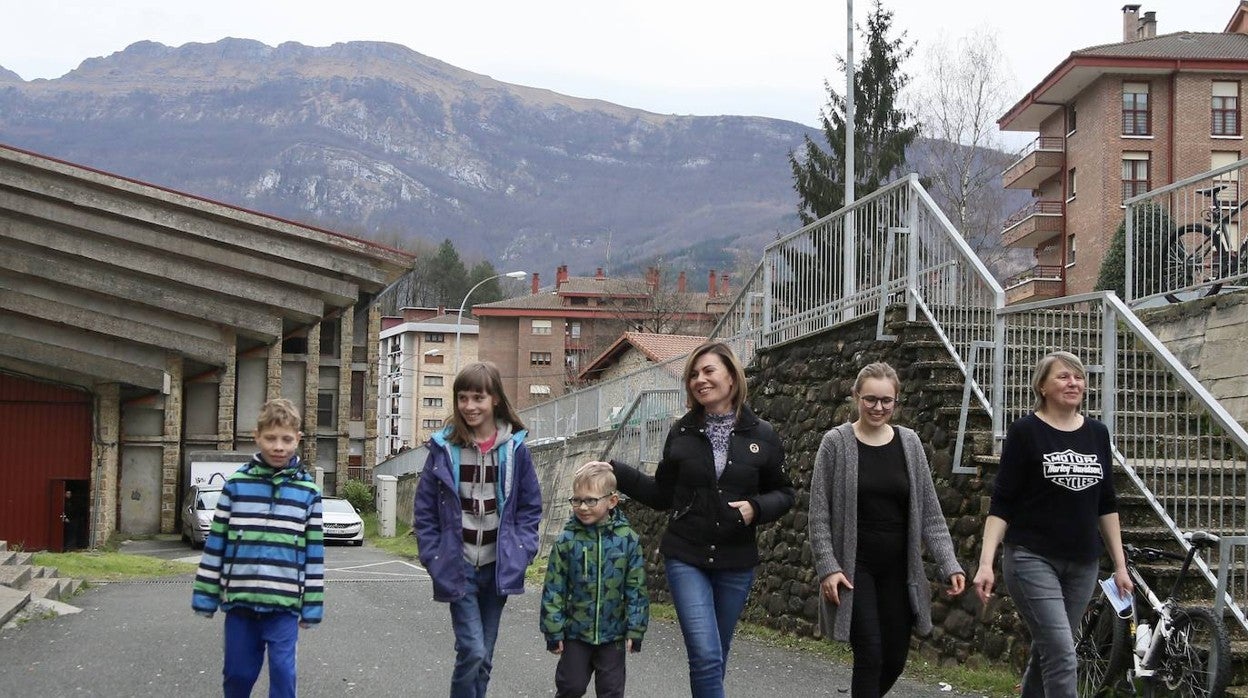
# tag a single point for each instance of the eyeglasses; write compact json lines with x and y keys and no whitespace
{"x":873,"y":401}
{"x":589,"y":502}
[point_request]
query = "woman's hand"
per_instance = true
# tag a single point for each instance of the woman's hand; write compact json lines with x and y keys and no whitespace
{"x":746,"y":509}
{"x":1125,"y":586}
{"x":984,"y":579}
{"x":831,"y":587}
{"x":957,"y":584}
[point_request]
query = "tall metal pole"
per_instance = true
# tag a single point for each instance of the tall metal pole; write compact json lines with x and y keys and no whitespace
{"x":849,"y":266}
{"x":460,"y":319}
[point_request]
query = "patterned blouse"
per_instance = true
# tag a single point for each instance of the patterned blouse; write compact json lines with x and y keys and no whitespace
{"x":718,"y":430}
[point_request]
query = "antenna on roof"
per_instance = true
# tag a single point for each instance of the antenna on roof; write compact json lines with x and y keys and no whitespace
{"x":606,"y":264}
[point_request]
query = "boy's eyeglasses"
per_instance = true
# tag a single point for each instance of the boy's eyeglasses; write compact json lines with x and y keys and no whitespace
{"x":872,"y":401}
{"x":590,"y":502}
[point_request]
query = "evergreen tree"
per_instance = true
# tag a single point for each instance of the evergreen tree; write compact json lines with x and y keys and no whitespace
{"x":491,"y":290}
{"x":449,"y":276}
{"x":882,"y":129}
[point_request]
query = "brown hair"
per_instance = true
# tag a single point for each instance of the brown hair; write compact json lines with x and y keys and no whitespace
{"x":879,"y":371}
{"x":725,"y":353}
{"x":596,"y":476}
{"x":1045,"y":366}
{"x":482,"y":377}
{"x":279,"y":412}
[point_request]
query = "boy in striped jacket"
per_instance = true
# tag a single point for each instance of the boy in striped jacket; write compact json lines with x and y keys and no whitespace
{"x":264,"y":560}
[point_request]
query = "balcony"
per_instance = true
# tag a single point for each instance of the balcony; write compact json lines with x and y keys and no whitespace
{"x":1041,"y":159}
{"x":1033,"y":224}
{"x":1037,"y":283}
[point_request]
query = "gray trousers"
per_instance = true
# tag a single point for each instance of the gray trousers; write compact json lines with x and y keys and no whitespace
{"x":580,"y":660}
{"x":1051,"y":595}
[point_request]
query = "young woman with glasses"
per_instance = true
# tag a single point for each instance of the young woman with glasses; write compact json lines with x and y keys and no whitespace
{"x":721,"y":476}
{"x":872,"y":508}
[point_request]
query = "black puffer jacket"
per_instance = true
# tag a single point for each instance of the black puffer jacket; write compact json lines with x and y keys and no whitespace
{"x":702,"y":530}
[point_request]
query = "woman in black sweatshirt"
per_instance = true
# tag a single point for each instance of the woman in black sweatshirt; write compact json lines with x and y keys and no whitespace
{"x":1053,"y":506}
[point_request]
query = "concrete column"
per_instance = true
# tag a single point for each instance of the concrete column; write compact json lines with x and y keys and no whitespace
{"x":273,"y":372}
{"x":171,"y":445}
{"x":311,"y":385}
{"x":346,"y":346}
{"x":372,"y":340}
{"x":104,"y":464}
{"x":227,"y":390}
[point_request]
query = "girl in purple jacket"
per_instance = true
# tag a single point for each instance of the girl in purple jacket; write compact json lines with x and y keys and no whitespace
{"x":476,"y":517}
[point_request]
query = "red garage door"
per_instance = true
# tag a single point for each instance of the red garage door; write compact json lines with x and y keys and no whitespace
{"x":45,"y":463}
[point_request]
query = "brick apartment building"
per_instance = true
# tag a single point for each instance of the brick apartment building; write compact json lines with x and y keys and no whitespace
{"x":1115,"y":121}
{"x":543,"y":340}
{"x":418,"y":352}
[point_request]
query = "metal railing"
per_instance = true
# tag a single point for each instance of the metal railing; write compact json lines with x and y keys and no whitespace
{"x":1185,"y":239}
{"x":1047,"y":143}
{"x":1035,"y":208}
{"x":639,"y":438}
{"x":1170,"y":435}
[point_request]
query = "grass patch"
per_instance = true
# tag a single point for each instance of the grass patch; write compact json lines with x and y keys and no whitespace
{"x":110,"y":566}
{"x":403,"y":544}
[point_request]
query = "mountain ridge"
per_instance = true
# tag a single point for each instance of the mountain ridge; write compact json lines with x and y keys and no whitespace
{"x":378,"y":140}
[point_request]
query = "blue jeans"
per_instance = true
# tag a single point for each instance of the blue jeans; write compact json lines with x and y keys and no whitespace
{"x":475,"y":618}
{"x":1051,"y":595}
{"x":247,"y":634}
{"x":708,"y":604}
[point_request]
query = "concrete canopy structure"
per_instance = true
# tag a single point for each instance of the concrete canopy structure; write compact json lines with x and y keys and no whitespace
{"x":134,"y":294}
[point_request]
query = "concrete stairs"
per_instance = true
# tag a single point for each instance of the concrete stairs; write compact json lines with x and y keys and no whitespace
{"x":25,"y":587}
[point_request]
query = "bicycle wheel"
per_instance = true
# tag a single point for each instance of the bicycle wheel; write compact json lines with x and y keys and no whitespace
{"x":1102,"y":650}
{"x":1197,"y":658}
{"x":1192,"y":256}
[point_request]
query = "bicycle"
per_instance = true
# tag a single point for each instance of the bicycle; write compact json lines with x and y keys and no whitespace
{"x":1179,"y":650}
{"x":1203,"y":252}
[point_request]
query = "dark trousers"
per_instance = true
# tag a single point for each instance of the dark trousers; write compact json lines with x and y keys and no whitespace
{"x":879,"y":632}
{"x":580,"y":660}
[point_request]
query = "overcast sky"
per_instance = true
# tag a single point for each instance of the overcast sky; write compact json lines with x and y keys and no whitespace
{"x":669,"y":56}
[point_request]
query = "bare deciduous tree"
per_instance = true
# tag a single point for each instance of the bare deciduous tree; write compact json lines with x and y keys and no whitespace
{"x":963,"y":89}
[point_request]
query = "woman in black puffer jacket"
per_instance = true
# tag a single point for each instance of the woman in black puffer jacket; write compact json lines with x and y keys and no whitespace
{"x":721,"y":476}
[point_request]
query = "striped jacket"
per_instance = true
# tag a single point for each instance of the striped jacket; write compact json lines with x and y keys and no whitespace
{"x":265,"y":550}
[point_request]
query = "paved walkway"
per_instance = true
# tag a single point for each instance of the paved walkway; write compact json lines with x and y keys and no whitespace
{"x":383,"y":636}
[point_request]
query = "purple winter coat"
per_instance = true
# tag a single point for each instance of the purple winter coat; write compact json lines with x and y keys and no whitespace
{"x":438,"y":518}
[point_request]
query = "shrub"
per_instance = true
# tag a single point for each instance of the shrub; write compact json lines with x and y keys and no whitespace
{"x":360,"y":495}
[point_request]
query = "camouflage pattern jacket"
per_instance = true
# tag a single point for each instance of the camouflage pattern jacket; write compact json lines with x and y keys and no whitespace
{"x":595,"y":588}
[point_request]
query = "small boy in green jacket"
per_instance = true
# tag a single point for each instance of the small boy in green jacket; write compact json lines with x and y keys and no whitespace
{"x":595,"y":607}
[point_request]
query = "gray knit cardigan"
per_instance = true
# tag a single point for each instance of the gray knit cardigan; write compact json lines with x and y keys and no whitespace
{"x":833,"y":528}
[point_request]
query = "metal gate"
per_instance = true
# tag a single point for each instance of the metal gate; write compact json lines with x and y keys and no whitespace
{"x":45,"y":451}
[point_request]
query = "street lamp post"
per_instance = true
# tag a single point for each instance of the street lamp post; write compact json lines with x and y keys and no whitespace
{"x":459,"y":320}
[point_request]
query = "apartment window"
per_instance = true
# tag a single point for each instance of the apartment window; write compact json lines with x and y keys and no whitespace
{"x":1136,"y":119}
{"x":295,"y":345}
{"x":431,"y":401}
{"x":435,"y":337}
{"x":1070,"y":250}
{"x":1070,"y":184}
{"x":1135,"y":180}
{"x":579,"y":300}
{"x":394,"y":427}
{"x":430,"y":424}
{"x":357,"y":395}
{"x":435,"y":359}
{"x":432,"y":380}
{"x":541,"y":327}
{"x":539,"y":358}
{"x":394,"y":405}
{"x":395,"y":387}
{"x":539,"y":390}
{"x":326,"y":412}
{"x":1071,"y":120}
{"x":574,"y":329}
{"x":1225,"y":109}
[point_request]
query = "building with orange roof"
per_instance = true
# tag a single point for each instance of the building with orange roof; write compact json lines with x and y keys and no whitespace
{"x":1115,"y":121}
{"x":634,"y":351}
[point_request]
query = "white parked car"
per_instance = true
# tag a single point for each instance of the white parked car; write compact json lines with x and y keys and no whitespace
{"x":340,"y":521}
{"x":198,"y":506}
